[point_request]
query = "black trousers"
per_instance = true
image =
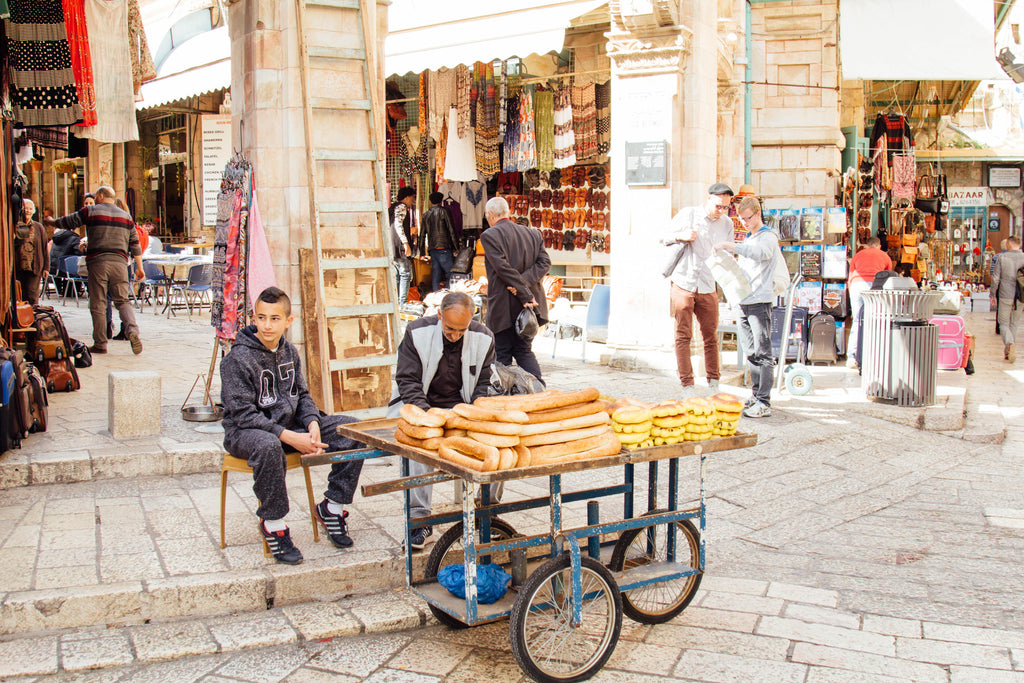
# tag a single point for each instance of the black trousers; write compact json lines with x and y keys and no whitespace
{"x":509,"y":345}
{"x":265,"y":453}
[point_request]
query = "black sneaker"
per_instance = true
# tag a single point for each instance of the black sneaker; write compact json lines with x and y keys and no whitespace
{"x":418,"y":537}
{"x":120,"y":336}
{"x":281,"y":546}
{"x":334,"y":525}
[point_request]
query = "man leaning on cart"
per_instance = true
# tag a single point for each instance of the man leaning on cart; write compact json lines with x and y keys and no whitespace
{"x":443,"y":360}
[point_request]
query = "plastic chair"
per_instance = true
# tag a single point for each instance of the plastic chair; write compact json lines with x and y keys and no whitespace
{"x":196,"y":287}
{"x":233,"y":464}
{"x":168,"y":249}
{"x":69,"y":270}
{"x":44,"y":289}
{"x":154,"y":280}
{"x":593,"y":320}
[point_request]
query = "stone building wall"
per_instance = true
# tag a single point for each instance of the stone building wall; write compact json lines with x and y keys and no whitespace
{"x":796,"y":135}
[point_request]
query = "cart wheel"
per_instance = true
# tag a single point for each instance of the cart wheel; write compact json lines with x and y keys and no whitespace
{"x":799,"y":381}
{"x":449,"y":550}
{"x":659,"y":602}
{"x":544,"y":642}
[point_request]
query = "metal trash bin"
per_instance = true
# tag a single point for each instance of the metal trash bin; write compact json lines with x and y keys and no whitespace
{"x":901,"y":347}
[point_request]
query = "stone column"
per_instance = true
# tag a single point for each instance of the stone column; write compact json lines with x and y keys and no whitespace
{"x":662,"y":90}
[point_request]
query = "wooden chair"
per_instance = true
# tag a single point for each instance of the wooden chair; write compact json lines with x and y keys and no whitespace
{"x":233,"y":464}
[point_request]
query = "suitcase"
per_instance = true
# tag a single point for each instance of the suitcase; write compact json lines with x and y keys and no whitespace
{"x":798,"y":332}
{"x":821,"y":345}
{"x":17,"y":395}
{"x":39,"y":406}
{"x":9,"y":435}
{"x":60,"y":375}
{"x":952,"y":344}
{"x":50,"y":341}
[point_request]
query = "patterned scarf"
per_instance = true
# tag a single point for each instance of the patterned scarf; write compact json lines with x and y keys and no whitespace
{"x":544,"y":115}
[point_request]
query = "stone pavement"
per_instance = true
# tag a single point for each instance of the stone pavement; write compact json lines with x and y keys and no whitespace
{"x":842,"y":547}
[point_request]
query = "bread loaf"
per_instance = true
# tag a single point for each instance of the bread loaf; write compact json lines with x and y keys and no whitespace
{"x":419,"y":431}
{"x":431,"y":444}
{"x":563,"y":436}
{"x":416,"y":416}
{"x":596,"y":418}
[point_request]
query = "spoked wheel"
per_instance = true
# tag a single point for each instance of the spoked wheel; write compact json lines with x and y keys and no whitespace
{"x":657,"y":603}
{"x":544,"y":641}
{"x":449,"y":550}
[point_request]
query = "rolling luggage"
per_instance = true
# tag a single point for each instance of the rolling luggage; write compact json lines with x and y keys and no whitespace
{"x":50,"y":341}
{"x":60,"y":375}
{"x":821,"y":344}
{"x":953,"y":348}
{"x":39,"y":406}
{"x":798,"y":332}
{"x":9,"y":434}
{"x":16,"y":394}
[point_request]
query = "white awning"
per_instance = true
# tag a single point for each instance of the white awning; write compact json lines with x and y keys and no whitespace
{"x":198,"y":80}
{"x":922,"y":40}
{"x":426,"y":34}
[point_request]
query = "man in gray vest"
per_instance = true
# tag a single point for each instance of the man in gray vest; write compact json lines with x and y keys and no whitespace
{"x":1004,"y":281}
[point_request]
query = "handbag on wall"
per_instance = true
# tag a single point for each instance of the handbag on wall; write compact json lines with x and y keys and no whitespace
{"x":942,"y":192}
{"x":926,"y":199}
{"x":463,"y":262}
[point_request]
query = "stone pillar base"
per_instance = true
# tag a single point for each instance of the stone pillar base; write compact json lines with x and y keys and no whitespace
{"x":133,"y":404}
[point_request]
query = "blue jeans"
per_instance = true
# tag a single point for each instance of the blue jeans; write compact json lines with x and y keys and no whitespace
{"x":509,"y":345}
{"x":441,"y":261}
{"x":403,"y":268}
{"x":755,"y":335}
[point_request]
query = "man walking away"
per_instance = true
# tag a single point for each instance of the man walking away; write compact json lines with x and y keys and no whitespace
{"x":441,"y":242}
{"x":111,"y":237}
{"x":516,"y":264}
{"x":693,"y":287}
{"x":761,"y":250}
{"x":1004,"y":280}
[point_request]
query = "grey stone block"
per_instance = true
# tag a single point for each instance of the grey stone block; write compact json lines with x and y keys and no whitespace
{"x":133,"y":404}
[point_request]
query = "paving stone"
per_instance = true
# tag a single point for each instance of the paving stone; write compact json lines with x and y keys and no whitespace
{"x":188,"y":669}
{"x":319,"y":620}
{"x":310,"y":675}
{"x":727,"y":584}
{"x":813,"y":596}
{"x":58,"y":577}
{"x":726,"y":668}
{"x":171,"y":641}
{"x":635,"y":657}
{"x":487,"y":665}
{"x":251,"y":630}
{"x":429,"y":657}
{"x":207,"y":593}
{"x":95,"y":650}
{"x":826,"y":635}
{"x":822,"y":615}
{"x":725,"y":620}
{"x":743,"y":603}
{"x":968,"y":634}
{"x":28,"y":656}
{"x":892,"y":626}
{"x":359,"y":655}
{"x":53,"y":609}
{"x":817,"y":674}
{"x":727,"y":642}
{"x":397,"y":676}
{"x":384,"y":612}
{"x":944,"y":652}
{"x":264,"y":665}
{"x":968,"y":674}
{"x":866,"y":663}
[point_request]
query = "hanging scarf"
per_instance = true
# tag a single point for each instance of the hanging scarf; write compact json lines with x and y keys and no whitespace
{"x":462,"y":88}
{"x":603,"y":104}
{"x":441,"y":152}
{"x":904,"y":176}
{"x":81,"y":61}
{"x":511,"y":161}
{"x":43,"y":91}
{"x":424,"y":119}
{"x":565,"y":138}
{"x":502,"y":94}
{"x":527,"y":131}
{"x":544,"y":116}
{"x":143,"y":69}
{"x":584,"y":121}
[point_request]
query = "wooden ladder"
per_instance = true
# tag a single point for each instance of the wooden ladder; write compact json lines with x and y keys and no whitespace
{"x":352,"y":335}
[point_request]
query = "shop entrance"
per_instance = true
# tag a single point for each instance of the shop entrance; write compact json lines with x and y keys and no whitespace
{"x":999,"y":219}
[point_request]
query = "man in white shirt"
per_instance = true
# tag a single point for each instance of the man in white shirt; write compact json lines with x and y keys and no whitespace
{"x":699,"y":229}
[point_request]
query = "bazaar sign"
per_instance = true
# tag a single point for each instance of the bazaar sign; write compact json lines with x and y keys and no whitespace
{"x":969,"y":196}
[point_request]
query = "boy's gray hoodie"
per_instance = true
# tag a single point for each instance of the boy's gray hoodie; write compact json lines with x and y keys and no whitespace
{"x":264,"y":389}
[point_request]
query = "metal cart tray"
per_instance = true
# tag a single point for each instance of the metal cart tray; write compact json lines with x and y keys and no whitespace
{"x":381,"y":434}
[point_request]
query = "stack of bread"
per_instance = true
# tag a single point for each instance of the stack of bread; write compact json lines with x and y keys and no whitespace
{"x":632,"y":425}
{"x":727,"y":414}
{"x":700,"y":419}
{"x":421,"y":428}
{"x":669,"y":420}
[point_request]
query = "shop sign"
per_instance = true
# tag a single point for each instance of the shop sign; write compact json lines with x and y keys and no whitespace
{"x":647,"y":163}
{"x":216,"y":155}
{"x":969,"y":196}
{"x":1004,"y":176}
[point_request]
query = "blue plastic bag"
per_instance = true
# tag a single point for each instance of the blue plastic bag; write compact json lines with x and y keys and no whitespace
{"x":491,"y":581}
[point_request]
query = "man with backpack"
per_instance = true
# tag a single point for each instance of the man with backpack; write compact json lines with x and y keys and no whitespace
{"x":1007,"y":280}
{"x":759,"y":253}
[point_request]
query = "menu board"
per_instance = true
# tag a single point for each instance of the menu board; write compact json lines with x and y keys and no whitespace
{"x":647,"y":163}
{"x":216,"y":155}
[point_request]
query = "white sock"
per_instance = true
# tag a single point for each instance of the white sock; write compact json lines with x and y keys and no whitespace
{"x":335,"y":508}
{"x":273,"y":525}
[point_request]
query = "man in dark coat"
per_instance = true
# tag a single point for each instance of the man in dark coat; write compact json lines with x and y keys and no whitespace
{"x":516,"y":264}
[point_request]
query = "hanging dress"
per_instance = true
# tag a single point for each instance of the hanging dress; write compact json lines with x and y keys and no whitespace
{"x":460,"y":153}
{"x":565,"y":137}
{"x":43,"y":91}
{"x":527,"y":137}
{"x":112,"y":67}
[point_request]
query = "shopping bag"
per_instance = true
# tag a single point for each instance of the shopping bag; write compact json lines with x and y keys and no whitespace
{"x":729,"y":275}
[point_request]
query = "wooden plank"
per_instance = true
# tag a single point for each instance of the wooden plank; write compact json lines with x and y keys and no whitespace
{"x":345,"y":155}
{"x":336,"y":53}
{"x":340,"y":103}
{"x":308,"y":276}
{"x":351,"y":207}
{"x":365,"y":361}
{"x":338,"y":4}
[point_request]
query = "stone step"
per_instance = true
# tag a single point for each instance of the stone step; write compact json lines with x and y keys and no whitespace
{"x":76,"y":650}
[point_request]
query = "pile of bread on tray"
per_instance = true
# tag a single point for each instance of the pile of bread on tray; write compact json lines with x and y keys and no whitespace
{"x":554,"y":427}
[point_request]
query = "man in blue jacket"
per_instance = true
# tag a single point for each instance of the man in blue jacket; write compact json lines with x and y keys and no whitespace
{"x":268,"y":411}
{"x":757,"y":255}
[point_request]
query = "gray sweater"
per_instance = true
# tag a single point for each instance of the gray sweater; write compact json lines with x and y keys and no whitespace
{"x":757,"y":258}
{"x":1004,"y":276}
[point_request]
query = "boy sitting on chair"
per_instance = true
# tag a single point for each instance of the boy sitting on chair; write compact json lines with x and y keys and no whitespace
{"x":268,"y":411}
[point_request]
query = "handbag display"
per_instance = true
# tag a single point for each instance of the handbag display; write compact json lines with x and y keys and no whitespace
{"x":926,"y":200}
{"x":942,"y":192}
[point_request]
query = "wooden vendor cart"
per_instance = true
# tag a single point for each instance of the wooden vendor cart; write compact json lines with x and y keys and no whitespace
{"x":566,"y":614}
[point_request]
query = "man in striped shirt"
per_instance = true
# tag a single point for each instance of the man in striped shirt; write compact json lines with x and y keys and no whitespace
{"x":110,"y":233}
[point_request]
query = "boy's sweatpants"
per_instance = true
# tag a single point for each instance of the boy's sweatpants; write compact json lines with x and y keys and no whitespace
{"x":266,"y":455}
